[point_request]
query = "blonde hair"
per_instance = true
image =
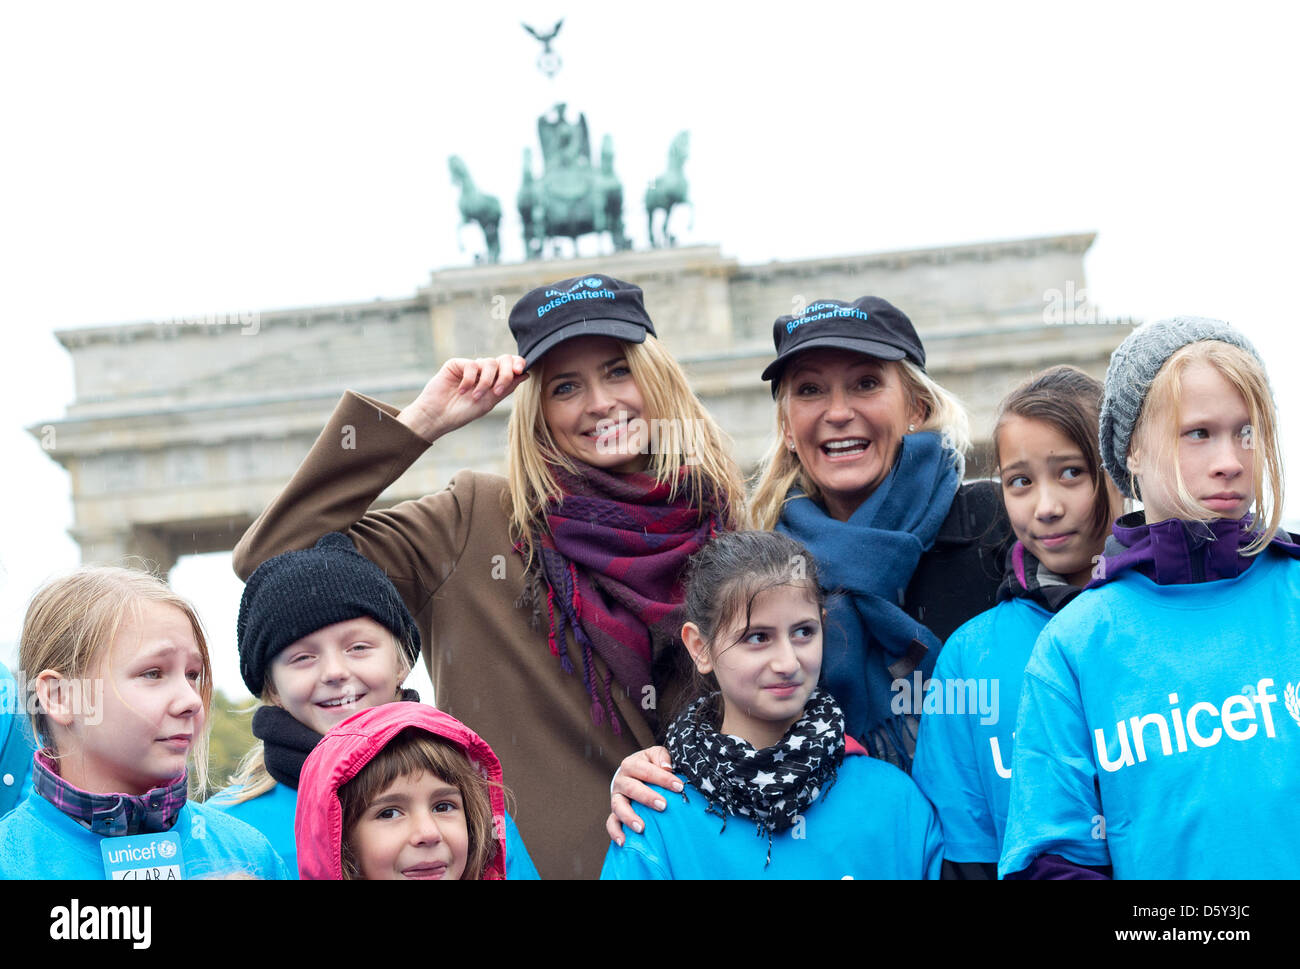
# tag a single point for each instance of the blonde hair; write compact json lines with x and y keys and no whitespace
{"x":72,"y":623}
{"x":690,"y":439}
{"x":1161,"y":409}
{"x":781,"y":470}
{"x":416,"y":751}
{"x":251,"y":778}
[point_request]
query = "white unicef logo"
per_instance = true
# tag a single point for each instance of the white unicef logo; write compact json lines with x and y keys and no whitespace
{"x":1292,"y":700}
{"x":166,"y":849}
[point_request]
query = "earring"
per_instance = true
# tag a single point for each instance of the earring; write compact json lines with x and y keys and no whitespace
{"x":911,"y":427}
{"x":790,"y":445}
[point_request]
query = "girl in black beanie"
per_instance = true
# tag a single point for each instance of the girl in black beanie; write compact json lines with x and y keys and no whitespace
{"x":322,"y":635}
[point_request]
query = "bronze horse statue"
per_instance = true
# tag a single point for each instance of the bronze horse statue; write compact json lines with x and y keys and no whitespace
{"x":669,"y":190}
{"x":476,"y":206}
{"x":532,"y":214}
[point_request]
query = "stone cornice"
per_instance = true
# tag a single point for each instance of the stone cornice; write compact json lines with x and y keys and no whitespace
{"x":180,"y":326}
{"x":1075,"y":244}
{"x":446,"y":284}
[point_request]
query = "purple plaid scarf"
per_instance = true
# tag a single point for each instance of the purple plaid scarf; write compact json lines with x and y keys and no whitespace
{"x":612,"y":557}
{"x":109,"y":815}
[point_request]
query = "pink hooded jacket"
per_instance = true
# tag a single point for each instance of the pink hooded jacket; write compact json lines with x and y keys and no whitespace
{"x":352,"y":744}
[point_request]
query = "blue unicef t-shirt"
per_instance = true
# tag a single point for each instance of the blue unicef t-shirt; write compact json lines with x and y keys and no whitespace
{"x":1159,"y":730}
{"x":272,"y":813}
{"x":37,"y":840}
{"x":16,"y":745}
{"x":872,"y":822}
{"x":963,"y":752}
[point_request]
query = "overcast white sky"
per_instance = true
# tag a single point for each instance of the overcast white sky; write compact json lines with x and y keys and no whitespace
{"x":168,"y":159}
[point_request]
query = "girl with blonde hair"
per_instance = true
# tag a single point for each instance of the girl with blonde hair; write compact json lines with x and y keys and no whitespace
{"x":549,"y":600}
{"x":120,"y":685}
{"x":1155,"y":736}
{"x":322,"y":635}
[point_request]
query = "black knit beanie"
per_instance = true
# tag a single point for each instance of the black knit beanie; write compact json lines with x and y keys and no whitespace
{"x":295,"y":594}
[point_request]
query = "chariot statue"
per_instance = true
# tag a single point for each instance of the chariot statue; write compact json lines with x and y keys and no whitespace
{"x":572,"y":197}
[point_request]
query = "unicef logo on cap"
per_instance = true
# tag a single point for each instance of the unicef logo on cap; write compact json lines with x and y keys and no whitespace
{"x":594,"y":282}
{"x":166,"y":849}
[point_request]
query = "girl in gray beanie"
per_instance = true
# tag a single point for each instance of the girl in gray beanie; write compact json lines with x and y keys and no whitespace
{"x":1146,"y":382}
{"x":1138,"y":752}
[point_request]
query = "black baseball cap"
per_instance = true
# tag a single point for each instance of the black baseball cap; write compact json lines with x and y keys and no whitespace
{"x":592,"y":305}
{"x":868,"y":325}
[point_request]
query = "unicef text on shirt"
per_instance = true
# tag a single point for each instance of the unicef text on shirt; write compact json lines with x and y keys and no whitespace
{"x":1243,"y":706}
{"x":134,"y":853}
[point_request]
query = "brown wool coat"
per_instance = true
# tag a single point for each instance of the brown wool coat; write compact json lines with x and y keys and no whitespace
{"x":489,"y":667}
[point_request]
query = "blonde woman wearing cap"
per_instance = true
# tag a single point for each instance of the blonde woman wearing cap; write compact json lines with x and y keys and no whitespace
{"x":866,"y":471}
{"x":548,"y":601}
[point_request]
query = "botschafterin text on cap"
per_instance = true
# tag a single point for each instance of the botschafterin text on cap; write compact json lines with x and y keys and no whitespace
{"x":868,"y":325}
{"x":591,"y":305}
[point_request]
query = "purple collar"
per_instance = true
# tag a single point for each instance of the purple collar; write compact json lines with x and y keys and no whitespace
{"x":1176,"y":552}
{"x":109,"y":815}
{"x":1028,"y":578}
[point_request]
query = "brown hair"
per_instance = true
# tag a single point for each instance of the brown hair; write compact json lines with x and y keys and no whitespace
{"x":415,"y":751}
{"x":1069,"y":400}
{"x":70,"y":628}
{"x":725,"y":577}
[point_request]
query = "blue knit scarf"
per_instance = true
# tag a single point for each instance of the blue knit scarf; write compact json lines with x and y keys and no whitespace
{"x":866,"y":564}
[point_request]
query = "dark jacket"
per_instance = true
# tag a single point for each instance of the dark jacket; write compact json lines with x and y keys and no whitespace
{"x":958,"y":578}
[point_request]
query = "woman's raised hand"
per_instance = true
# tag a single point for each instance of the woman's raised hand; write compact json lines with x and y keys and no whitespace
{"x":461,"y":391}
{"x":650,"y":766}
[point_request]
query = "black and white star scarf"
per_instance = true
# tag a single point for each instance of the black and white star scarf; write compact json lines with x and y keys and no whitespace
{"x":770,"y":786}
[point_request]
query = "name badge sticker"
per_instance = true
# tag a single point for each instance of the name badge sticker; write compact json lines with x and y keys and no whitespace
{"x":143,"y":857}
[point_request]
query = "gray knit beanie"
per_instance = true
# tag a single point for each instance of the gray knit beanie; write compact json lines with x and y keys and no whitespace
{"x":1133,"y":366}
